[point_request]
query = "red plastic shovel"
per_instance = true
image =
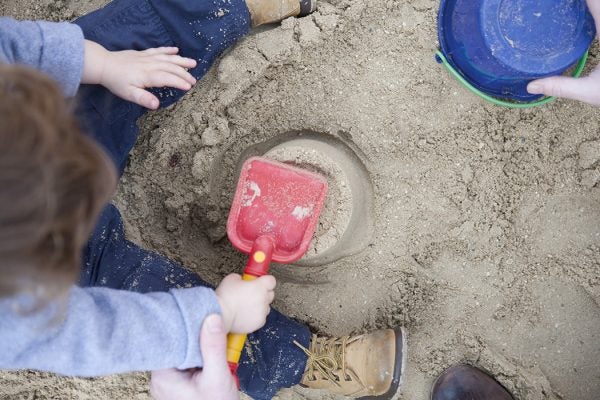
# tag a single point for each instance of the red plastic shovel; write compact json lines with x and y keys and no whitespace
{"x":273,"y":217}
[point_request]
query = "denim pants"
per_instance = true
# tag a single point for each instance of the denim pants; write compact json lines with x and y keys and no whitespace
{"x":202,"y":29}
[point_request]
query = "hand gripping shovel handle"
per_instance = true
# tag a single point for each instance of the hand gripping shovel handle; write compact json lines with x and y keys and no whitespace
{"x":257,"y":266}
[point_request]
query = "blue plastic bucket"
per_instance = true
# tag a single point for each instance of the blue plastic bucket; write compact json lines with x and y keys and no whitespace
{"x":499,"y":46}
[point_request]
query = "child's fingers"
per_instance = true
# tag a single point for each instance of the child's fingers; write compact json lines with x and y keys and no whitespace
{"x":143,"y":98}
{"x":184,"y":61}
{"x":176,"y":60}
{"x":264,"y":313}
{"x":268,"y":282}
{"x":233,"y":277}
{"x":180,"y":72}
{"x":162,"y":50}
{"x":160,"y":79}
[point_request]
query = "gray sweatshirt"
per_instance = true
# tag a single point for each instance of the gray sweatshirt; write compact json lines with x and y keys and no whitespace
{"x":100,"y":331}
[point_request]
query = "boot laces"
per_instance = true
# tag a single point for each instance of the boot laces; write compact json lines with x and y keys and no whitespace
{"x":327,"y":355}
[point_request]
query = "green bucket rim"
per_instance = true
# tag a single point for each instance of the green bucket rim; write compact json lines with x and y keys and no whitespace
{"x":576,"y":74}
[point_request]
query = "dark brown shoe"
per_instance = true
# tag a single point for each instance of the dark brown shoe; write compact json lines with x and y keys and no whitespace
{"x":464,"y":382}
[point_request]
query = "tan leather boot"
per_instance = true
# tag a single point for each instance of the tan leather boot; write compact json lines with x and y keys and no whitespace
{"x":269,"y":11}
{"x":368,"y":366}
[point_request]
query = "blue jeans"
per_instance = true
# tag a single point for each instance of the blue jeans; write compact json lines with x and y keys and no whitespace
{"x":202,"y":29}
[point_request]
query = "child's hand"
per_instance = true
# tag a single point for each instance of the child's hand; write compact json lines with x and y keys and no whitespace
{"x":127,"y":73}
{"x":245,"y":304}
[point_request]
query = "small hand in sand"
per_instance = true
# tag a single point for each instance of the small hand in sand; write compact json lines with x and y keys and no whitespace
{"x":128,"y":73}
{"x":586,"y":89}
{"x":245,"y":304}
{"x":213,"y":382}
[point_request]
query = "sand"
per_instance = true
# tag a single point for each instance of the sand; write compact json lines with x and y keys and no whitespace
{"x":482,"y":231}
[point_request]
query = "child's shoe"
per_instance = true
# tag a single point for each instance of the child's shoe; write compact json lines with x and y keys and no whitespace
{"x":269,"y":11}
{"x":368,"y":366}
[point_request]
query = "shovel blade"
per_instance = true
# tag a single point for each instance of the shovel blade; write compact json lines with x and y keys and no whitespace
{"x":278,"y":201}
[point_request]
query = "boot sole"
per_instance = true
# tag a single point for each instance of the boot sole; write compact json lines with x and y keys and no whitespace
{"x":399,"y":368}
{"x":307,"y":7}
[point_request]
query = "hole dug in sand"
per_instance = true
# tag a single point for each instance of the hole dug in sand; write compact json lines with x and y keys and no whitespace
{"x":346,"y":221}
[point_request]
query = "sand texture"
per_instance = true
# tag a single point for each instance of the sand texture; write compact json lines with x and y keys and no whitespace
{"x":478,"y":230}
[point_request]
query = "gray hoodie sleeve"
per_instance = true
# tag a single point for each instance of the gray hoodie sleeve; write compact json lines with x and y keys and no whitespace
{"x":104,"y":331}
{"x":56,"y":49}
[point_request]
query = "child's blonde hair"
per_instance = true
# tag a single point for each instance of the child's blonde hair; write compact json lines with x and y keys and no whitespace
{"x":54,"y":181}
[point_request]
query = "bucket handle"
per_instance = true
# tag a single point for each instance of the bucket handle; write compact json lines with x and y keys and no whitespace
{"x":440,"y":56}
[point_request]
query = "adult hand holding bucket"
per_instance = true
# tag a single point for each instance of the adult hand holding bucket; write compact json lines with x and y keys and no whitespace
{"x":586,"y":89}
{"x":497,"y":47}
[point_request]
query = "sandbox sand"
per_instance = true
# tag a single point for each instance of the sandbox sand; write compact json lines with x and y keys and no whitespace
{"x":485,"y":237}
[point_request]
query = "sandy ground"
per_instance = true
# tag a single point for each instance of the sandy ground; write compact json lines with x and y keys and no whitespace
{"x":479,"y":228}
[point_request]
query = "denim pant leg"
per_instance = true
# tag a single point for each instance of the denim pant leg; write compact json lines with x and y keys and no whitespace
{"x":202,"y":30}
{"x":112,"y":261}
